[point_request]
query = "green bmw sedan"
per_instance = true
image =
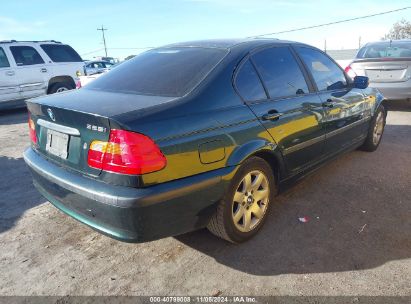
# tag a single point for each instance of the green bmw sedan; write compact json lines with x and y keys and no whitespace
{"x":197,"y":134}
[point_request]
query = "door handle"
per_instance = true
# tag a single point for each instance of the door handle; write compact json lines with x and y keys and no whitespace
{"x":272,"y":116}
{"x":328,"y":104}
{"x":10,"y":73}
{"x":43,"y":70}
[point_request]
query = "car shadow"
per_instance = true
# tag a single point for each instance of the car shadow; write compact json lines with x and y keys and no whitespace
{"x":13,"y":116}
{"x":358,"y":210}
{"x":399,"y":105}
{"x":17,"y":191}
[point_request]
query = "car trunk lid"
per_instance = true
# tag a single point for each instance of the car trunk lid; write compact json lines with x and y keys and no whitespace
{"x":383,"y":70}
{"x":68,"y":122}
{"x":63,"y":136}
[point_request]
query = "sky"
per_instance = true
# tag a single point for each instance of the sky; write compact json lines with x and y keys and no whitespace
{"x":135,"y":25}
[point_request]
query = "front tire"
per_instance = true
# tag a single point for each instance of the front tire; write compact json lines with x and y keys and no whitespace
{"x":375,"y":131}
{"x":246,"y":203}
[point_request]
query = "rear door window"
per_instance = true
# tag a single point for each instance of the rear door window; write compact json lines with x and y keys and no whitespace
{"x":280,"y":72}
{"x":61,"y":53}
{"x":248,"y":84}
{"x":327,"y":74}
{"x":26,"y":55}
{"x":4,"y":62}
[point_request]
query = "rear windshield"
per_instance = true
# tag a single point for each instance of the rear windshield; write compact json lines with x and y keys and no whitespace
{"x":386,"y":49}
{"x":61,"y":53}
{"x":162,"y":72}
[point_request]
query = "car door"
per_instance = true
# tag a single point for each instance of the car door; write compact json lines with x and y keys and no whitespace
{"x":30,"y":70}
{"x":290,"y":111}
{"x":9,"y":89}
{"x":344,"y":105}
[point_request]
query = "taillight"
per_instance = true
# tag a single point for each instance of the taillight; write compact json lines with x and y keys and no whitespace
{"x":78,"y":84}
{"x":126,"y":152}
{"x":350,"y":72}
{"x":32,"y":130}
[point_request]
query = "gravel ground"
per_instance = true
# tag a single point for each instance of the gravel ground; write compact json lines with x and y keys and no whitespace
{"x":357,"y":242}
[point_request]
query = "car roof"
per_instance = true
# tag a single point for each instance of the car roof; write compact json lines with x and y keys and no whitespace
{"x":25,"y":42}
{"x":231,"y":43}
{"x":384,"y":42}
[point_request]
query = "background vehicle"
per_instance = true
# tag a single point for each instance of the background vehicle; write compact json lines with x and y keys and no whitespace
{"x":33,"y":68}
{"x":388,"y":66}
{"x":108,"y":59}
{"x":97,"y":67}
{"x":174,"y":147}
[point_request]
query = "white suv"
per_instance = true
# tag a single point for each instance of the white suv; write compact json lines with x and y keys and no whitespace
{"x":33,"y":68}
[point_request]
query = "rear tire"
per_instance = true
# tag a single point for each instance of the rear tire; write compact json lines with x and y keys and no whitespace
{"x":245,"y":206}
{"x":375,"y":131}
{"x":60,"y":87}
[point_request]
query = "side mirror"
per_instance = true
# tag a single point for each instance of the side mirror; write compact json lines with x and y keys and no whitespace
{"x":361,"y":82}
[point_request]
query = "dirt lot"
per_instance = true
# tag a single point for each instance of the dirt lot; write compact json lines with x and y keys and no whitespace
{"x":358,"y":241}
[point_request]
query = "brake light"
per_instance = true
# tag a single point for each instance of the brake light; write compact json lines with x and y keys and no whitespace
{"x":126,"y":152}
{"x":350,"y":72}
{"x":32,"y":130}
{"x":78,"y":84}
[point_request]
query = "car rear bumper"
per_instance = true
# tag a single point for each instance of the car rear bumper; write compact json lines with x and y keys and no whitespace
{"x":394,"y":90}
{"x":125,"y":213}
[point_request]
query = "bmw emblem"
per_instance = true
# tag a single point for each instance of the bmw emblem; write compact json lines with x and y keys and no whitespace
{"x":51,"y":114}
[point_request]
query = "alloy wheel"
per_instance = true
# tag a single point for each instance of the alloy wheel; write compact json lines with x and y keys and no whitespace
{"x":250,"y":201}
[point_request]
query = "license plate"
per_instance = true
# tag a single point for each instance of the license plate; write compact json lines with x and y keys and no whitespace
{"x":57,"y":143}
{"x":385,"y":76}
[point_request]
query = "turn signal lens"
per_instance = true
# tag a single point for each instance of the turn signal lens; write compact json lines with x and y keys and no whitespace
{"x":32,"y":130}
{"x":127,"y":153}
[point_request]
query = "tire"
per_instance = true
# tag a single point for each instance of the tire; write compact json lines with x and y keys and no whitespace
{"x":224,"y":223}
{"x":60,"y":87}
{"x":375,"y":131}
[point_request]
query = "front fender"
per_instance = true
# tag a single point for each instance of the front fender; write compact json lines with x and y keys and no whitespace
{"x":374,"y":93}
{"x":379,"y":99}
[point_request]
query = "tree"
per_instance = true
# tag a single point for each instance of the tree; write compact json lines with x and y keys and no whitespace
{"x":400,"y":30}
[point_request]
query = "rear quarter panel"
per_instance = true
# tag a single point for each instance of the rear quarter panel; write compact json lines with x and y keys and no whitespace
{"x":65,"y":69}
{"x":183,"y":145}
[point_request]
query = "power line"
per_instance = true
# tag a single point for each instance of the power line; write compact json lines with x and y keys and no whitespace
{"x":126,"y":48}
{"x":91,"y":52}
{"x":267,"y":34}
{"x":102,"y":29}
{"x":331,"y":23}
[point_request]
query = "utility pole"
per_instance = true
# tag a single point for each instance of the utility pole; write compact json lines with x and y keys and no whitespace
{"x":325,"y":45}
{"x":359,"y":42}
{"x":102,"y":29}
